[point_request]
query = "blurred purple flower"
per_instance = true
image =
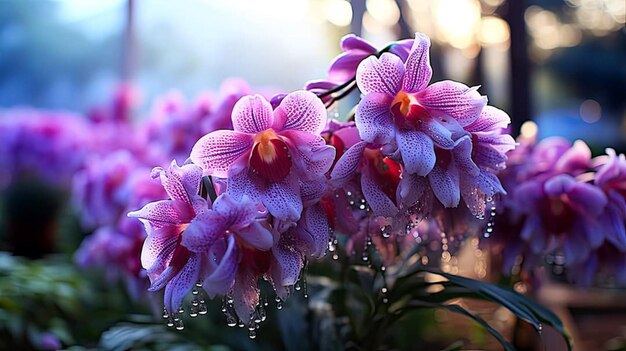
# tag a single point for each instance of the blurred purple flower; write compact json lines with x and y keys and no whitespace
{"x":48,"y":341}
{"x":42,"y":144}
{"x":270,"y":155}
{"x":99,"y":191}
{"x":551,"y":206}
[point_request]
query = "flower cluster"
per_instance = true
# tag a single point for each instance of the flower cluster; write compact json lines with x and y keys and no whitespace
{"x":566,"y":205}
{"x":114,"y":177}
{"x":259,"y":199}
{"x":40,"y":144}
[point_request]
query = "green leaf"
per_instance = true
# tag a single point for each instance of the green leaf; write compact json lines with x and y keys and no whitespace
{"x":520,"y":305}
{"x":458,"y":309}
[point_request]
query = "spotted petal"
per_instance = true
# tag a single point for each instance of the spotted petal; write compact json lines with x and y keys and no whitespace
{"x":380,"y":75}
{"x":252,"y":114}
{"x":417,"y":151}
{"x":282,"y":199}
{"x":373,"y":118}
{"x":445,"y":185}
{"x":378,"y":201}
{"x":218,"y":151}
{"x":418,"y":70}
{"x":455,"y":99}
{"x":300,"y":110}
{"x":347,"y":165}
{"x":222,"y":274}
{"x":180,"y":285}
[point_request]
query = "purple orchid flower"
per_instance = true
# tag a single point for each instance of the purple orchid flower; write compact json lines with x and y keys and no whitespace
{"x":355,"y":50}
{"x":96,"y":188}
{"x":432,"y":129}
{"x":41,"y":144}
{"x":189,"y":242}
{"x":551,"y":206}
{"x":379,"y":175}
{"x":271,"y":152}
{"x":611,"y":177}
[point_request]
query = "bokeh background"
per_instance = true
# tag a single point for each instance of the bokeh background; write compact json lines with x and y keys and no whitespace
{"x":559,"y":63}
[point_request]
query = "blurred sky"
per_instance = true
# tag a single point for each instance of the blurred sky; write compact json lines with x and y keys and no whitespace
{"x":70,"y":54}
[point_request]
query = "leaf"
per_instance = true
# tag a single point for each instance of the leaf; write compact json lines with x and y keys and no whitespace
{"x":458,"y":309}
{"x":520,"y":305}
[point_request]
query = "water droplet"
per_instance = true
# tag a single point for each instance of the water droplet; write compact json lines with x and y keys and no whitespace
{"x":199,"y":284}
{"x":241,"y":324}
{"x":279,"y":303}
{"x":230,"y":321}
{"x":181,"y":310}
{"x":252,"y":334}
{"x":539,"y":327}
{"x":193,"y":311}
{"x":170,"y":322}
{"x":179,"y":324}
{"x":195,"y":291}
{"x":202,"y":309}
{"x":165,"y":314}
{"x":335,"y":257}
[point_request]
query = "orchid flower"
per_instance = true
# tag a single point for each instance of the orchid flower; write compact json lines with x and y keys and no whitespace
{"x":270,"y":153}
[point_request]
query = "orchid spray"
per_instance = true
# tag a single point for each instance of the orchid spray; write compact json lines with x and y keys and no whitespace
{"x":286,"y":183}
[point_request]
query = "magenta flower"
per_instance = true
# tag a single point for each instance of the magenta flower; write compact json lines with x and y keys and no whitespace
{"x":174,"y":125}
{"x":378,"y":175}
{"x":270,"y":153}
{"x":449,"y":143}
{"x":99,"y":191}
{"x":40,"y":144}
{"x":189,"y":242}
{"x":611,"y":177}
{"x":551,"y":206}
{"x":355,"y":50}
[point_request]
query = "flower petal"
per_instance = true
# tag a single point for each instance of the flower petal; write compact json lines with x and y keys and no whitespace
{"x":347,"y":165}
{"x":301,"y":110}
{"x":256,"y":235}
{"x":418,"y":70}
{"x":222,"y":275}
{"x":463,"y":157}
{"x":161,"y":214}
{"x":180,"y":285}
{"x":282,"y":199}
{"x":417,"y":150}
{"x":441,"y":136}
{"x":238,"y":213}
{"x":344,"y":66}
{"x":445,"y":185}
{"x":182,"y":183}
{"x":577,"y":158}
{"x":455,"y":99}
{"x":491,"y":119}
{"x":288,"y":260}
{"x":587,"y":199}
{"x":156,"y":253}
{"x":378,"y":201}
{"x":373,"y":118}
{"x":218,"y":151}
{"x":204,"y":230}
{"x":245,"y":293}
{"x":314,"y":231}
{"x":411,"y":188}
{"x":354,"y":42}
{"x":311,"y":156}
{"x":380,"y":75}
{"x":252,"y":114}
